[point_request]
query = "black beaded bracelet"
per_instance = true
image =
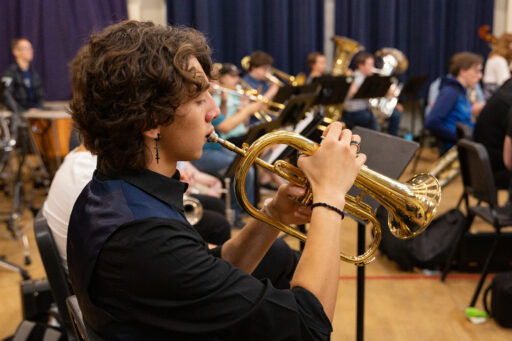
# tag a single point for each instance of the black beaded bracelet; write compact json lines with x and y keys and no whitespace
{"x":335,"y":209}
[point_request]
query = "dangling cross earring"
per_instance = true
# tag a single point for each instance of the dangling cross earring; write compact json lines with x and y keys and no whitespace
{"x":156,"y":147}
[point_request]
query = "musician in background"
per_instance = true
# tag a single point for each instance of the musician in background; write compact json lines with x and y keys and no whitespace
{"x":493,"y":129}
{"x":316,"y":64}
{"x":138,"y":269}
{"x":497,"y":66}
{"x":235,"y":110}
{"x":476,"y":97}
{"x":356,"y":111}
{"x":256,"y":77}
{"x":452,"y":104}
{"x":21,"y":79}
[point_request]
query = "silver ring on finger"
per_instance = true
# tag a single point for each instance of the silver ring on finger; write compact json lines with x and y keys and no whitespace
{"x":357,"y":144}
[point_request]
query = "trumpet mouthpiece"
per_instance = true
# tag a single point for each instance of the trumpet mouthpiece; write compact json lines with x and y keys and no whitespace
{"x":213,"y":137}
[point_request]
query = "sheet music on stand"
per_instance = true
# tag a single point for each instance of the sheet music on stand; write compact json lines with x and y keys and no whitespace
{"x":413,"y":85}
{"x":333,"y":89}
{"x":373,"y":87}
{"x":286,"y":92}
{"x":302,"y":128}
{"x":291,"y":115}
{"x":330,"y":90}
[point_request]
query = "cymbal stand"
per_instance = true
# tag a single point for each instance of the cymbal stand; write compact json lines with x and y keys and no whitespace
{"x":14,"y":156}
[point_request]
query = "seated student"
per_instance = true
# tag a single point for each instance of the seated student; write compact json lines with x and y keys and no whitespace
{"x":235,"y":112}
{"x":77,"y":170}
{"x":493,"y":128}
{"x":138,"y":269}
{"x":257,"y":77}
{"x":452,"y":104}
{"x":356,"y":111}
{"x":21,"y":80}
{"x":497,"y":66}
{"x":477,"y":99}
{"x":316,"y":65}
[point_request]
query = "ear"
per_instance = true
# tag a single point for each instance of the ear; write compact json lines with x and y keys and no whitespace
{"x":152,"y":133}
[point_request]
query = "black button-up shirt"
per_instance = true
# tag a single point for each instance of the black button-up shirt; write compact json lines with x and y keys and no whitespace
{"x":158,"y":273}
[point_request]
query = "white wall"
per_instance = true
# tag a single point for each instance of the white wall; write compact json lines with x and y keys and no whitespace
{"x":502,"y":17}
{"x":148,"y":10}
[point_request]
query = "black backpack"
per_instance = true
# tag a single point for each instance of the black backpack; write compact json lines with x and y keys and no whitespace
{"x":501,"y":299}
{"x":428,"y":250}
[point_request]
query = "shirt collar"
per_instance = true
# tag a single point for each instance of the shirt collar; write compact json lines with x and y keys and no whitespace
{"x":170,"y":190}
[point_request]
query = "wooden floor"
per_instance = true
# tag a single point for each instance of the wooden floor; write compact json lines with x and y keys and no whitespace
{"x":399,"y":305}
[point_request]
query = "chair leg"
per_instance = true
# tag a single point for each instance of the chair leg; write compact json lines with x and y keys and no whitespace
{"x":485,"y":270}
{"x":455,"y":247}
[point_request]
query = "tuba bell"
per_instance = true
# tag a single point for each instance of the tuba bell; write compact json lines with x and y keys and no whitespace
{"x":411,"y":205}
{"x":394,"y":63}
{"x":346,"y":48}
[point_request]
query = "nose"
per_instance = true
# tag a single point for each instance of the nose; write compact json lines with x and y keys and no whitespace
{"x":213,"y":109}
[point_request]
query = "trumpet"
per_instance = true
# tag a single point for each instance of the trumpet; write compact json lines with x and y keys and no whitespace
{"x":300,"y":79}
{"x":252,"y":94}
{"x":193,"y":209}
{"x":411,"y":205}
{"x":263,"y":115}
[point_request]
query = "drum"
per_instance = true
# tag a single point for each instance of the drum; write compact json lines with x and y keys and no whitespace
{"x":51,"y":131}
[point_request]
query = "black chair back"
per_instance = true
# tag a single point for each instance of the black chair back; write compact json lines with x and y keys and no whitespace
{"x":476,"y":171}
{"x":463,"y":131}
{"x":55,"y":272}
{"x":76,"y":317}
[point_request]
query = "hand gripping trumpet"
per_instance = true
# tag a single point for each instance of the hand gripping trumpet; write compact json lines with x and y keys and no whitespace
{"x":411,"y":205}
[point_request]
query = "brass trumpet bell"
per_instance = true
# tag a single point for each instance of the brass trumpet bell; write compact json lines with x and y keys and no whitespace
{"x":411,"y":205}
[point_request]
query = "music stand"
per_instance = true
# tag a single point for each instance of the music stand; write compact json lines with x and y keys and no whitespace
{"x":373,"y":87}
{"x":293,"y":112}
{"x":388,"y":155}
{"x":333,"y":89}
{"x":286,"y":92}
{"x":412,"y":86}
{"x":410,"y":94}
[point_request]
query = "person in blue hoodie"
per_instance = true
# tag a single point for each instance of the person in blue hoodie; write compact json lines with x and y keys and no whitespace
{"x":452,"y":104}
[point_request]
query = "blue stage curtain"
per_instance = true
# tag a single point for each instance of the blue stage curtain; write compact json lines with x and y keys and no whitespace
{"x":428,"y":32}
{"x":286,"y":29}
{"x":56,"y":29}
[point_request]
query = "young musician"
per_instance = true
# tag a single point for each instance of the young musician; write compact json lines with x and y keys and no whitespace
{"x":138,"y":269}
{"x":20,"y":78}
{"x":356,"y":111}
{"x":256,"y":77}
{"x":497,"y":66}
{"x":452,"y":104}
{"x":317,"y":64}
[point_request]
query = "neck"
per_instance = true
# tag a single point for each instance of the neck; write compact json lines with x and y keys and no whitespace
{"x":165,"y":168}
{"x":462,"y":81}
{"x":253,"y":75}
{"x":23,"y":64}
{"x":314,"y":74}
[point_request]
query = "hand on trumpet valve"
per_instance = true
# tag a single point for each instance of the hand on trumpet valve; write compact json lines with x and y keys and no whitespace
{"x":332,"y":169}
{"x":286,"y":210}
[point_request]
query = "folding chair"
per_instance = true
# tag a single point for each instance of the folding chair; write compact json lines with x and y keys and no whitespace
{"x":478,"y":182}
{"x":57,"y":277}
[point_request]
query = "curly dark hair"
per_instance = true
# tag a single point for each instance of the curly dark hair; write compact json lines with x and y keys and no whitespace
{"x":129,"y":78}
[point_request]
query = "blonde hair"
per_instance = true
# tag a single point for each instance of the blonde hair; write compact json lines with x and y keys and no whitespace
{"x":502,"y":47}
